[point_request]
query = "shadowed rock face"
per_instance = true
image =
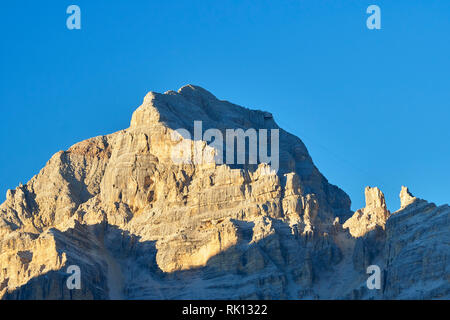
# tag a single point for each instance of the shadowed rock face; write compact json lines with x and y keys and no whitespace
{"x":141,"y":226}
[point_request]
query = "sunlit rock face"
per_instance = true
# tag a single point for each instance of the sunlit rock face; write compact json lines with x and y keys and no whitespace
{"x":406,"y":198}
{"x":140,"y":225}
{"x":375,"y":214}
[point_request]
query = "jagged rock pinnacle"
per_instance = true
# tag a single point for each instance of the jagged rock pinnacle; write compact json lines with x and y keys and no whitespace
{"x":406,"y":198}
{"x":374,"y":214}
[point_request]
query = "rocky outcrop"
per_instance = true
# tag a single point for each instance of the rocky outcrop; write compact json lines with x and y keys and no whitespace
{"x":417,"y":251}
{"x":375,"y":214}
{"x":406,"y":198}
{"x":411,"y":248}
{"x":140,"y":225}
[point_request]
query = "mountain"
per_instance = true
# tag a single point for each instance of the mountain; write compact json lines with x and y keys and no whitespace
{"x":151,"y":212}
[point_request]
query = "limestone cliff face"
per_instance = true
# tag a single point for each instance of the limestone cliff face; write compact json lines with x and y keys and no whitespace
{"x":375,"y":214}
{"x":140,"y":225}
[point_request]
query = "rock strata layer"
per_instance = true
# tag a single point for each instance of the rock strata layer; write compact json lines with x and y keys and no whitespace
{"x":141,"y":226}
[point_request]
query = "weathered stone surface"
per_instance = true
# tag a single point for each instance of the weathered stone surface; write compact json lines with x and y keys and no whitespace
{"x":406,"y":198}
{"x":141,"y":226}
{"x":417,"y":252}
{"x":374,"y":214}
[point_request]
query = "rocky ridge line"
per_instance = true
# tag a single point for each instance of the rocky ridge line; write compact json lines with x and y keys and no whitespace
{"x":142,"y":227}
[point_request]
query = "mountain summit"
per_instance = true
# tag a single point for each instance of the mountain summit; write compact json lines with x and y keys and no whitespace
{"x":137,"y":223}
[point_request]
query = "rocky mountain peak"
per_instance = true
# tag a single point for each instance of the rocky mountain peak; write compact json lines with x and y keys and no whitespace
{"x":140,"y":225}
{"x":375,"y":214}
{"x":179,"y":109}
{"x":196,"y":93}
{"x":406,"y":197}
{"x":374,"y":198}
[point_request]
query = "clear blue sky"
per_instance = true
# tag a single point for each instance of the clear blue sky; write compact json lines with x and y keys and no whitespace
{"x":372,"y":106}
